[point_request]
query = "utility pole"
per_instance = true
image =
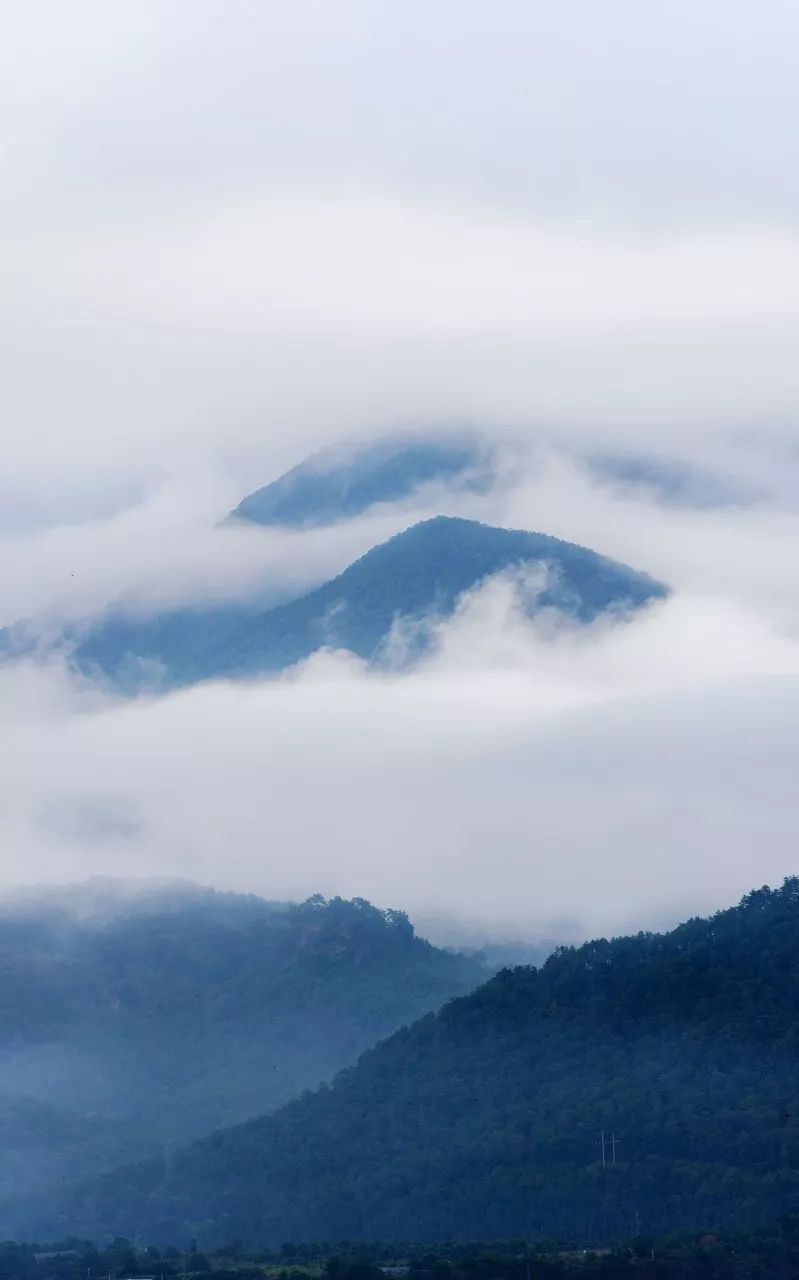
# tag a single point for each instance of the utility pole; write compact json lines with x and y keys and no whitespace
{"x":608,"y":1142}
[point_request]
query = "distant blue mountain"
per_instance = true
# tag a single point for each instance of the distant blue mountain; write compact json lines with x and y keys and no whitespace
{"x":338,"y":484}
{"x":418,"y":574}
{"x":134,"y":652}
{"x":670,"y":480}
{"x":424,"y":570}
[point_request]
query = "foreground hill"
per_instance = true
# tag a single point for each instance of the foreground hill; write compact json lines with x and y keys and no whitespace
{"x":338,"y":484}
{"x":422,"y":572}
{"x":484,"y":1121}
{"x":178,"y":1010}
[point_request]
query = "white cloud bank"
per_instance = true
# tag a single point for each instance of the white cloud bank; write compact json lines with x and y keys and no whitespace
{"x":530,"y":779}
{"x":232,"y":235}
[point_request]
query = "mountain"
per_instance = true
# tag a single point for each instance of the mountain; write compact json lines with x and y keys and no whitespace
{"x":154,"y":651}
{"x":671,"y":481}
{"x":485,"y":1120}
{"x":416,"y":574}
{"x":41,"y":1146}
{"x":158,"y":1015}
{"x":134,"y":652}
{"x":338,"y":484}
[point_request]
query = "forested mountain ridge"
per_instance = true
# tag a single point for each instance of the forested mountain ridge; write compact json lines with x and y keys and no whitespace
{"x":417,"y":577}
{"x":419,"y":574}
{"x":484,"y":1120}
{"x":171,"y":973}
{"x":42,"y":1146}
{"x":185,"y":1009}
{"x":137,"y":649}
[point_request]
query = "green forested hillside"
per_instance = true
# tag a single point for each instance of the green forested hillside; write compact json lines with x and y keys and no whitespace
{"x":484,"y":1121}
{"x":42,"y":1146}
{"x":192,"y":1008}
{"x":129,"y":1025}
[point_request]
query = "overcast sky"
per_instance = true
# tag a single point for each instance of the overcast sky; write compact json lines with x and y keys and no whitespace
{"x":232,"y":233}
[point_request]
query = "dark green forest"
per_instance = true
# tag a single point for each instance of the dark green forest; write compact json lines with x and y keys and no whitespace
{"x":483,"y":1121}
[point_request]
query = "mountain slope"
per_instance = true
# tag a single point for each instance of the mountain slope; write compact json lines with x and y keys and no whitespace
{"x":668,"y":480}
{"x":183,"y":1009}
{"x":421,"y":571}
{"x":416,"y":576}
{"x":166,"y":1010}
{"x":149,"y":652}
{"x":155,"y":651}
{"x":41,"y":1146}
{"x":484,"y":1121}
{"x":338,"y":484}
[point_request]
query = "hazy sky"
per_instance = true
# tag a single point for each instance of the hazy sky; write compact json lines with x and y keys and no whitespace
{"x":232,"y":233}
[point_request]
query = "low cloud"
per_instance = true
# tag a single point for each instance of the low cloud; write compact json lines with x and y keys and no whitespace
{"x":174,"y":548}
{"x":523,"y":777}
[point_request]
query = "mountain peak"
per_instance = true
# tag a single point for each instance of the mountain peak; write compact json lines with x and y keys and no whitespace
{"x":342,"y":482}
{"x":422,"y":572}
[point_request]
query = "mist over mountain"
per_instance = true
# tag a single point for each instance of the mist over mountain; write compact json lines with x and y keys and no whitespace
{"x":135,"y":648}
{"x":415,"y":578}
{"x":135,"y":1017}
{"x":670,"y":481}
{"x":131,"y":650}
{"x":400,"y":496}
{"x":677,"y":1051}
{"x":418,"y":574}
{"x":42,"y":1147}
{"x":338,"y":484}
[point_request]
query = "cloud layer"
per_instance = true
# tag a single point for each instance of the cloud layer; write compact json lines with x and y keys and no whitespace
{"x":532,"y":778}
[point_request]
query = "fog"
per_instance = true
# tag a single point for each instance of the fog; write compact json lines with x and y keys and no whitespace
{"x":545,"y":780}
{"x":233,"y":237}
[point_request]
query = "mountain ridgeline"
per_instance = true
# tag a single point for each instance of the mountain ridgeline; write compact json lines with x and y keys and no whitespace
{"x":131,"y":1023}
{"x":484,"y":1120}
{"x":338,"y":484}
{"x":417,"y":576}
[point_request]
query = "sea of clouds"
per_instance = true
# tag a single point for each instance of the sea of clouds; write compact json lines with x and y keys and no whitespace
{"x":231,"y":244}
